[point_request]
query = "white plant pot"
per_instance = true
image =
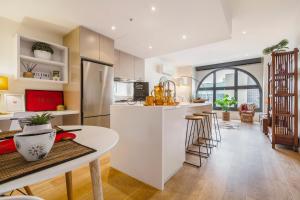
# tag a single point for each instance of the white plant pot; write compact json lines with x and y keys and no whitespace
{"x":28,"y":128}
{"x":42,"y":54}
{"x":35,"y":145}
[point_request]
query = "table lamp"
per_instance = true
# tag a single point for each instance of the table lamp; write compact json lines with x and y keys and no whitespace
{"x":3,"y":86}
{"x":3,"y":83}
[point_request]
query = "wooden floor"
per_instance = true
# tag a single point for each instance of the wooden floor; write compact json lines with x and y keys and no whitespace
{"x":244,"y":166}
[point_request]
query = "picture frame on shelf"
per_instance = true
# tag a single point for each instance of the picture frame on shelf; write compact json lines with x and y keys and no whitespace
{"x":56,"y":75}
{"x":42,"y":75}
{"x":14,"y":102}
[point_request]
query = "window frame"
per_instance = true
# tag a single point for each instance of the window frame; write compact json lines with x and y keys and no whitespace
{"x":236,"y":87}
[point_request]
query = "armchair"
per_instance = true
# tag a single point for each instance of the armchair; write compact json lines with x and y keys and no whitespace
{"x":247,"y":112}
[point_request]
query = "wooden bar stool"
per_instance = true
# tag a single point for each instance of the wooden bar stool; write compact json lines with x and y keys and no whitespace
{"x":196,"y":127}
{"x":216,"y":125}
{"x":208,"y":134}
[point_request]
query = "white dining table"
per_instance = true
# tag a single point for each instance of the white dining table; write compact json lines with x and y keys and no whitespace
{"x":99,"y":138}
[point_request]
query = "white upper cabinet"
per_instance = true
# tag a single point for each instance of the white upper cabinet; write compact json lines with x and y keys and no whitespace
{"x":53,"y":69}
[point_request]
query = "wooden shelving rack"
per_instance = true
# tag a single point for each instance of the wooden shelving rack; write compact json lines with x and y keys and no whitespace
{"x":283,"y":98}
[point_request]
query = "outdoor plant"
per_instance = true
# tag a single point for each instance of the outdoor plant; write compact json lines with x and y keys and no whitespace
{"x":40,"y":119}
{"x":42,"y":46}
{"x":226,"y":102}
{"x":29,"y":67}
{"x":281,"y":46}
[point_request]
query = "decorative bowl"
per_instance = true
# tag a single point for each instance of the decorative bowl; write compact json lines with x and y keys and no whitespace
{"x":42,"y":54}
{"x":199,"y":100}
{"x":35,"y":145}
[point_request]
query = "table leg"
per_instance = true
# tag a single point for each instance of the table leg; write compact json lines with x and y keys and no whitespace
{"x":68,"y":177}
{"x":28,"y":190}
{"x":96,"y":180}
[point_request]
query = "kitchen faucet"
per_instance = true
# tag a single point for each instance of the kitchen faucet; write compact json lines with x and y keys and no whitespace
{"x":166,"y":86}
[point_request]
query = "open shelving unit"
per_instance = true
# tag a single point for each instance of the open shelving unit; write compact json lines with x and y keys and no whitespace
{"x":58,"y":62}
{"x":283,"y":98}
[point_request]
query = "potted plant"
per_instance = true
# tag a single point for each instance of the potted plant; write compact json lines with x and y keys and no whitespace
{"x":225,"y":103}
{"x":38,"y":122}
{"x":280,"y":47}
{"x":29,"y":67}
{"x":42,"y":50}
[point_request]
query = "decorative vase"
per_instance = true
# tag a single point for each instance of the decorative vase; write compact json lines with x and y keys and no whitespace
{"x":35,"y":145}
{"x":28,"y":128}
{"x":226,"y":116}
{"x":28,"y":75}
{"x":42,"y":54}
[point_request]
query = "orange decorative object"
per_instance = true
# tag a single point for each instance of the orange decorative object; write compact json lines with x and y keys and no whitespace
{"x":3,"y":83}
{"x":149,"y":101}
{"x":159,"y":95}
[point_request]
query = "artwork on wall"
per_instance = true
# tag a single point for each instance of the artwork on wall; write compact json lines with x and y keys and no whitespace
{"x":14,"y":102}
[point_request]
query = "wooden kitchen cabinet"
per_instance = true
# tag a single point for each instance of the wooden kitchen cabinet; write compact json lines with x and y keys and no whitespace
{"x":106,"y":49}
{"x":117,"y":71}
{"x":89,"y":44}
{"x":126,"y":66}
{"x":96,"y":46}
{"x":139,"y":69}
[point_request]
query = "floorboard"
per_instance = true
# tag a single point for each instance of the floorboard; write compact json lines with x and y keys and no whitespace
{"x":243,"y":167}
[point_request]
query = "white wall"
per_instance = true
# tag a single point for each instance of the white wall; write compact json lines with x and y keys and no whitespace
{"x":8,"y":31}
{"x":152,"y":74}
{"x":185,"y":90}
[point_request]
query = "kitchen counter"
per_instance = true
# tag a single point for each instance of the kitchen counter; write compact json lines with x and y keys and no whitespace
{"x":181,"y":105}
{"x":152,"y":140}
{"x":54,"y":113}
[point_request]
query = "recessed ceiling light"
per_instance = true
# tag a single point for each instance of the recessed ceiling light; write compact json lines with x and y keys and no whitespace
{"x":244,"y":32}
{"x":113,"y":28}
{"x":153,"y":8}
{"x":150,"y":47}
{"x":183,"y":37}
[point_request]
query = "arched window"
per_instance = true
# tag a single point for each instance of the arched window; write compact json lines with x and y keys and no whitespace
{"x":235,"y":82}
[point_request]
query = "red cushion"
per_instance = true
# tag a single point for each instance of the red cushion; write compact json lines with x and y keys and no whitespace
{"x":244,"y":107}
{"x":8,"y":146}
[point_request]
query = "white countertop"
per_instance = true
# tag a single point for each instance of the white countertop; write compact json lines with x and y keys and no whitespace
{"x":140,"y":105}
{"x":54,"y":113}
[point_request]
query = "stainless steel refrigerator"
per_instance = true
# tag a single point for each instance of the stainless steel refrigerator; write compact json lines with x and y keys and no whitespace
{"x":97,"y":91}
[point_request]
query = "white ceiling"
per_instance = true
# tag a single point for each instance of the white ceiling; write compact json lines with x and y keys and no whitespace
{"x":266,"y":23}
{"x":202,"y":21}
{"x":213,"y":27}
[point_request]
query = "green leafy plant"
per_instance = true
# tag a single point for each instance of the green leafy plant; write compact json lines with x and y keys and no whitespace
{"x":281,"y":46}
{"x":42,"y":46}
{"x":226,"y":102}
{"x":40,"y":119}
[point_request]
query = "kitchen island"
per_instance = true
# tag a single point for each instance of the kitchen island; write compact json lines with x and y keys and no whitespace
{"x":152,"y":140}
